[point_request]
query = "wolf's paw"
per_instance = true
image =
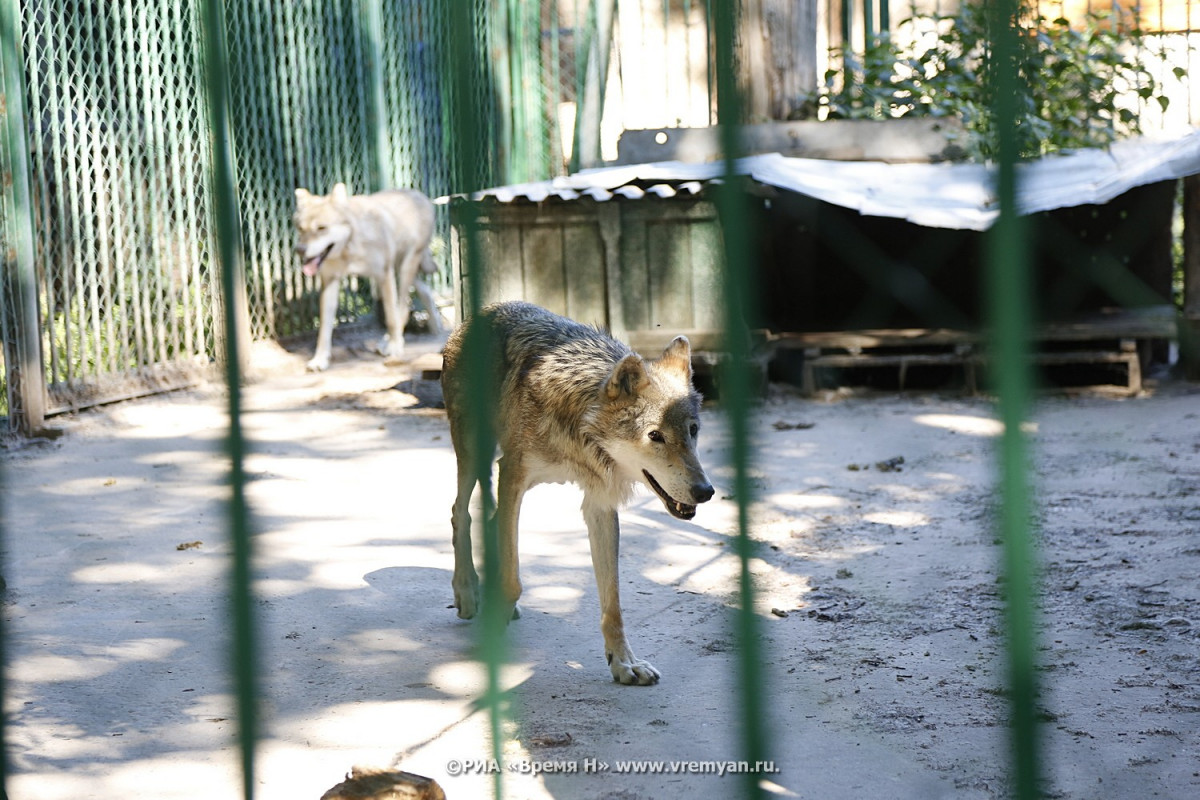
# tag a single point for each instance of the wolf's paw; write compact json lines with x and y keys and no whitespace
{"x":633,"y":671}
{"x":467,"y":604}
{"x":391,"y":349}
{"x":318,"y":364}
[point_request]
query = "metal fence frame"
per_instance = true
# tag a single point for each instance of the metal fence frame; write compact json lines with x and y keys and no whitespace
{"x":471,"y":164}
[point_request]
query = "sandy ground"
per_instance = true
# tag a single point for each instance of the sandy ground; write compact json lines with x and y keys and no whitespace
{"x":878,"y":599}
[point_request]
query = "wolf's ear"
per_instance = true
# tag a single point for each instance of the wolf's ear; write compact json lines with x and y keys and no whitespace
{"x":627,"y":378}
{"x":339,"y":193}
{"x":677,"y":357}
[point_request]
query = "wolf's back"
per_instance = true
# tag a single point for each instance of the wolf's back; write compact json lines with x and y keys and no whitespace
{"x":529,"y":355}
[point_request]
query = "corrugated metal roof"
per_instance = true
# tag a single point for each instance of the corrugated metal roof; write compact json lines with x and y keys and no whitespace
{"x":941,"y":195}
{"x":606,"y":188}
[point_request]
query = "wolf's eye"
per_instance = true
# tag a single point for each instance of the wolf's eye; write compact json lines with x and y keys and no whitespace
{"x":695,"y":430}
{"x":656,"y":436}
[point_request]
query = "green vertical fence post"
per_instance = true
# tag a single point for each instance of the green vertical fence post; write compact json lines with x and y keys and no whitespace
{"x":26,"y":377}
{"x":470,"y":159}
{"x":1009,"y":300}
{"x":225,"y":206}
{"x":379,"y":167}
{"x":736,"y":380}
{"x":525,"y":126}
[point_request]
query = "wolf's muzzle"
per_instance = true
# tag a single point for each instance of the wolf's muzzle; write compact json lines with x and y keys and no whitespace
{"x":701,"y":493}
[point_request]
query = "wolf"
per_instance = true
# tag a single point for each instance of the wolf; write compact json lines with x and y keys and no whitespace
{"x":384,"y":236}
{"x":568,"y":403}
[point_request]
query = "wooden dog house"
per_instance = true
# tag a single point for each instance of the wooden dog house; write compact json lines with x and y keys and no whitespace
{"x":860,"y":265}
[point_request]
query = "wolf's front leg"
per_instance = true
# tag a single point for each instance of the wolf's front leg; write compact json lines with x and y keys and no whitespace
{"x":329,"y":304}
{"x":466,"y":580}
{"x":604,"y":536}
{"x":395,"y":315}
{"x":510,"y":490}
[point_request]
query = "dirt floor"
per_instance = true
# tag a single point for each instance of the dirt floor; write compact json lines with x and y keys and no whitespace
{"x":883,"y":670}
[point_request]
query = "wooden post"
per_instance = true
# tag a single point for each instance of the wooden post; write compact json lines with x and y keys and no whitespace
{"x":586,"y":147}
{"x":778,"y":57}
{"x":1189,"y":338}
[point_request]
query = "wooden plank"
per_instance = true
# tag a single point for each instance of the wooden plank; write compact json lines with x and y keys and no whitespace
{"x":1189,"y":344}
{"x":1158,"y":322}
{"x":894,"y":140}
{"x":1191,"y":246}
{"x":543,"y":271}
{"x":583,"y":267}
{"x":609,"y":217}
{"x":669,"y":254}
{"x":708,"y":259}
{"x":428,"y":366}
{"x":855,"y":361}
{"x":500,"y":263}
{"x":1155,"y":323}
{"x":635,"y":270}
{"x":866,"y":339}
{"x":969,"y":362}
{"x":652,"y":341}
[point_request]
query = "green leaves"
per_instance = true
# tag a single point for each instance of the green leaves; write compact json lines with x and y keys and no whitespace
{"x":1081,"y":85}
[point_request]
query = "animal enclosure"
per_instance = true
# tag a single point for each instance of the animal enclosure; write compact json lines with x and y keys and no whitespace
{"x":149,"y":160}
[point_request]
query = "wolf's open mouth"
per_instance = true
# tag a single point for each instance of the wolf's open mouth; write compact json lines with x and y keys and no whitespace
{"x":677,"y":509}
{"x":313,"y":265}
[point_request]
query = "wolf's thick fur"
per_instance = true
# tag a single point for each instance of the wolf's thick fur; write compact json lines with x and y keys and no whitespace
{"x":570,"y":404}
{"x":384,"y":236}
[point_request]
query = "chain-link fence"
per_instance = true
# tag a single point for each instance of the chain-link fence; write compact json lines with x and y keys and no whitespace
{"x":118,"y":161}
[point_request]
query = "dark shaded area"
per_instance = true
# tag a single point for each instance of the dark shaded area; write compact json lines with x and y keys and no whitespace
{"x":829,"y":268}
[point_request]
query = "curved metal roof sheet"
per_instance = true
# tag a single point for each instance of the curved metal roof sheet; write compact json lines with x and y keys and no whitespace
{"x":943,"y":195}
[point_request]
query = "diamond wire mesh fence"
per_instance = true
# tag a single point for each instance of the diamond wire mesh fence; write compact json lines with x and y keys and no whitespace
{"x":118,"y":160}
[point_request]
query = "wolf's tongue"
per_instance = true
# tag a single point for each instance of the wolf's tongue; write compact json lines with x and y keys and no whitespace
{"x":312,"y":266}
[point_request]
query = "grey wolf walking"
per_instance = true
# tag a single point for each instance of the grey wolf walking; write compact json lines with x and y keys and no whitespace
{"x":383,"y":236}
{"x":571,"y":404}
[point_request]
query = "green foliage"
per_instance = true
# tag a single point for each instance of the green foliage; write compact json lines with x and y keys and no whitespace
{"x":1081,"y":83}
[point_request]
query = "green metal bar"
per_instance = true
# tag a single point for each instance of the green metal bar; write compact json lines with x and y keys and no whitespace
{"x":469,"y":158}
{"x":16,"y":236}
{"x":735,"y":387}
{"x":379,"y":168}
{"x":225,"y":213}
{"x":1009,"y":303}
{"x":26,"y":376}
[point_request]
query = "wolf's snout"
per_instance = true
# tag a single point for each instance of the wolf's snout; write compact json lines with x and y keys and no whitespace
{"x":702,"y":492}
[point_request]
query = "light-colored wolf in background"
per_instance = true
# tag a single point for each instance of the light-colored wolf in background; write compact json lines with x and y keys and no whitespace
{"x":571,"y":404}
{"x":384,"y":236}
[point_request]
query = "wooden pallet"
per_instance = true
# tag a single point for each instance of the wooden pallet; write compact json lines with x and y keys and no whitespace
{"x":1111,"y":339}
